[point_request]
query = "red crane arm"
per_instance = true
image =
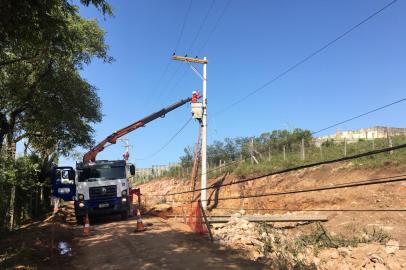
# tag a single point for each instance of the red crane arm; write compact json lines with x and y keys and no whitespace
{"x":112,"y":139}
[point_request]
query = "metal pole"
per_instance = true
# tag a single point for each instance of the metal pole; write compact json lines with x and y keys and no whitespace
{"x":204,"y":141}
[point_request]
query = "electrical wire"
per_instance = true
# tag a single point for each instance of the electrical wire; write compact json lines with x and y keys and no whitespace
{"x":305,"y":59}
{"x":201,"y":26}
{"x":360,"y":115}
{"x":165,"y":71}
{"x":370,"y":153}
{"x":320,"y":130}
{"x":183,"y":26}
{"x":315,"y":210}
{"x":168,"y":142}
{"x":216,"y":24}
{"x":383,"y":180}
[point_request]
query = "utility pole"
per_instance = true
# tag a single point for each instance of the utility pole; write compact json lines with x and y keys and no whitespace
{"x":126,"y":154}
{"x":189,"y":60}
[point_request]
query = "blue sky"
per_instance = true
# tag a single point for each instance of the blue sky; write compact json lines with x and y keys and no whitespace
{"x":254,"y":41}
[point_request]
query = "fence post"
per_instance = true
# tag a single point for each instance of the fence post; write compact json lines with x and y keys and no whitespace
{"x":373,"y":142}
{"x":321,"y":151}
{"x":252,"y":152}
{"x":284,"y":152}
{"x":303,"y":149}
{"x":269,"y":154}
{"x":345,"y":147}
{"x":390,"y":143}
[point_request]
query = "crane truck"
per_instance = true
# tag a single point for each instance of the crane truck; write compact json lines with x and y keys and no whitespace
{"x":100,"y":187}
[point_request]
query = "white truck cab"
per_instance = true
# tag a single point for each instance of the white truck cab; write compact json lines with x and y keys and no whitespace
{"x":102,"y":188}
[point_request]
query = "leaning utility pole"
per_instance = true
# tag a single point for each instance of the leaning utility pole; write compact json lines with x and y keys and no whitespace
{"x":189,"y":60}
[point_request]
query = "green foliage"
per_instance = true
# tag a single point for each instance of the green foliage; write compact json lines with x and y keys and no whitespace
{"x":275,"y":160}
{"x":375,"y":235}
{"x":30,"y":22}
{"x":26,"y":175}
{"x":43,"y":98}
{"x":42,"y":95}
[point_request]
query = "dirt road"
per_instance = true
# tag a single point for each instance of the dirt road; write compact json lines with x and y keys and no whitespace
{"x":164,"y":245}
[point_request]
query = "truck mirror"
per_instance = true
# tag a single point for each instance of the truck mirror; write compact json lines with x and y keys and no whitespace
{"x":132,"y":169}
{"x":71,"y":175}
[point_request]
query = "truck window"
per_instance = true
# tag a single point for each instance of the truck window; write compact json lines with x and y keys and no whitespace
{"x":62,"y":176}
{"x":101,"y":173}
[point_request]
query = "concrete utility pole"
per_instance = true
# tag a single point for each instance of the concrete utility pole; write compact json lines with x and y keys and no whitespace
{"x":126,"y":154}
{"x":189,"y":60}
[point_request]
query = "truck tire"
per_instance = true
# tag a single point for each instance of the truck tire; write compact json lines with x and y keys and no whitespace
{"x":124,"y":215}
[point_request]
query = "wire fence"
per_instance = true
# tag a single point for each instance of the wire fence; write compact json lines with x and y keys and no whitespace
{"x":262,"y":157}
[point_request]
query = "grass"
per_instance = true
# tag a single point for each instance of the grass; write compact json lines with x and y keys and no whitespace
{"x":286,"y":253}
{"x":335,"y":151}
{"x":313,"y":154}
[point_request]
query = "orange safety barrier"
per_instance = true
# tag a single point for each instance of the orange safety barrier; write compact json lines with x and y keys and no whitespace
{"x":195,"y":219}
{"x":86,"y":227}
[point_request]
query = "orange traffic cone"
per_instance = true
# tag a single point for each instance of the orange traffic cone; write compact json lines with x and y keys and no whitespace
{"x":140,"y":225}
{"x":86,"y":228}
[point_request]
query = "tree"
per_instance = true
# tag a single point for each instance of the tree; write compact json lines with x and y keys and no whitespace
{"x":34,"y":22}
{"x":44,"y":98}
{"x":43,"y":46}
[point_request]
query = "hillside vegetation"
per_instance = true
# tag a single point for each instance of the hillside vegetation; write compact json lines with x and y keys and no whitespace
{"x":282,"y":149}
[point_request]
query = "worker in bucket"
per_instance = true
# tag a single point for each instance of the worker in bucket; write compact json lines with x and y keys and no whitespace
{"x":195,"y":96}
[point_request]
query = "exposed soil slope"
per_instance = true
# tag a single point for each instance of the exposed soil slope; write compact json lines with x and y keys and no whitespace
{"x":379,"y":197}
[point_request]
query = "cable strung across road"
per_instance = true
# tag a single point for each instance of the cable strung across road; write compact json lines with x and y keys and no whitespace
{"x":383,"y":180}
{"x":201,"y":26}
{"x":370,"y":153}
{"x":305,"y":59}
{"x":318,"y":131}
{"x":216,"y":24}
{"x":183,"y":26}
{"x":168,"y":142}
{"x":314,"y":210}
{"x":360,"y":115}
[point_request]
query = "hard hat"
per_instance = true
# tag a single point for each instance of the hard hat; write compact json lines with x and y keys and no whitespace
{"x":194,"y":92}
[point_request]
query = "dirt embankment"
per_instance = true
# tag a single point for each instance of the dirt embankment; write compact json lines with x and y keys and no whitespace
{"x":377,"y":198}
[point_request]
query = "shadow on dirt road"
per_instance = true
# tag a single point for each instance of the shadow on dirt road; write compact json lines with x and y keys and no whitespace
{"x":114,"y":245}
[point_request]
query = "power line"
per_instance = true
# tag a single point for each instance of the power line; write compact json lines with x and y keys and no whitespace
{"x":165,"y":71}
{"x":182,"y":76}
{"x":302,"y":61}
{"x":323,"y":129}
{"x":314,"y":210}
{"x":201,"y":26}
{"x":183,"y":25}
{"x":157,"y":84}
{"x":360,"y":115}
{"x":168,"y":142}
{"x":383,"y":180}
{"x":370,"y":153}
{"x":216,"y":24}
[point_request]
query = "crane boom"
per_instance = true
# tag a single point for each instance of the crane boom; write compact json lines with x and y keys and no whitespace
{"x":112,"y":139}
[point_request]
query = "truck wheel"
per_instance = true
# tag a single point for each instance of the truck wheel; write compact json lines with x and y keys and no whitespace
{"x":124,"y":215}
{"x":79,"y":220}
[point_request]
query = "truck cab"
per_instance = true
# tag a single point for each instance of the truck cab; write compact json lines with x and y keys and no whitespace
{"x":102,"y":188}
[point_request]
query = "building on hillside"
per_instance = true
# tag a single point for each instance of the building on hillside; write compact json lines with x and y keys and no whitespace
{"x":364,"y":134}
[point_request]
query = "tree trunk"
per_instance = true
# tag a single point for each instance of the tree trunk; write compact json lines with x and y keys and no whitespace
{"x":11,"y":208}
